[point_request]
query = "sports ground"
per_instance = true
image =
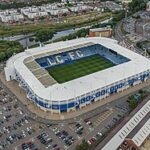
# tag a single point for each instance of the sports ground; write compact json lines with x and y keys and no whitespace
{"x":78,"y":68}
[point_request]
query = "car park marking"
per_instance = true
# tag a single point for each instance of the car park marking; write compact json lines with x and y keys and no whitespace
{"x":103,"y":117}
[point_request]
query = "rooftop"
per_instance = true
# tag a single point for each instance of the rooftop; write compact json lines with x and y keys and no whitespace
{"x":100,"y":29}
{"x":139,"y":126}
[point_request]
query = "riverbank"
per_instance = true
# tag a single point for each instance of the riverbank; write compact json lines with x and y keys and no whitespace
{"x":11,"y":30}
{"x":25,"y":41}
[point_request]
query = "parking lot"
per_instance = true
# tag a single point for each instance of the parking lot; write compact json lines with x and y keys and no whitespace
{"x":18,"y":131}
{"x":22,"y":130}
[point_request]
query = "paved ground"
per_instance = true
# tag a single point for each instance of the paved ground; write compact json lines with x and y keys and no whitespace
{"x":146,"y":146}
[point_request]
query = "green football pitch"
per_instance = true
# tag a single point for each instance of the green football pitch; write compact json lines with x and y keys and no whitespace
{"x":78,"y":68}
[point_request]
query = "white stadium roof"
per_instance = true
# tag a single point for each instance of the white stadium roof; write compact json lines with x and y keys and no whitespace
{"x":83,"y":85}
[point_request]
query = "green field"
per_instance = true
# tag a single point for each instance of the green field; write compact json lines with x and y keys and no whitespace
{"x":79,"y":68}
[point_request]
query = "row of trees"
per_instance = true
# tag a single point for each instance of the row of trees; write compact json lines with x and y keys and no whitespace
{"x":8,"y":48}
{"x":6,"y":30}
{"x":22,"y":4}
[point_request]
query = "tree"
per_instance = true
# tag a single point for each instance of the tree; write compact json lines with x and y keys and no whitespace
{"x":31,"y":39}
{"x":137,"y":5}
{"x":83,"y":34}
{"x":83,"y":146}
{"x":9,"y":52}
{"x":133,"y":104}
{"x":2,"y":56}
{"x":44,"y":35}
{"x":141,"y":91}
{"x":7,"y":48}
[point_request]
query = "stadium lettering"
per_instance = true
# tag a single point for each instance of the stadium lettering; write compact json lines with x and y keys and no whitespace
{"x":98,"y":94}
{"x":72,"y":56}
{"x":79,"y":53}
{"x":75,"y":54}
{"x":50,"y":62}
{"x":59,"y":59}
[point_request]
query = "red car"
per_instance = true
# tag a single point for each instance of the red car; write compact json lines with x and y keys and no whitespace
{"x":92,"y":140}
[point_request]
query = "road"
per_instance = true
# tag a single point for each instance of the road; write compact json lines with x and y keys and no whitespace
{"x":119,"y":36}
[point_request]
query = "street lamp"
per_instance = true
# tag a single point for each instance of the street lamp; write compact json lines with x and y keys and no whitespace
{"x":145,"y":52}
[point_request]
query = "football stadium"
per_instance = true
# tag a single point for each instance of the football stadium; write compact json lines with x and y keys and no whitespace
{"x":69,"y":75}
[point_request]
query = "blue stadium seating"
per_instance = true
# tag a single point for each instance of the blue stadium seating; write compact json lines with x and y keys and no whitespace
{"x":81,"y":53}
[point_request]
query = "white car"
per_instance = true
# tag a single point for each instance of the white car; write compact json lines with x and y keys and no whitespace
{"x":99,"y":133}
{"x":28,"y":129}
{"x":89,"y":123}
{"x":20,"y":112}
{"x":4,"y":128}
{"x":26,"y":121}
{"x":7,"y":130}
{"x":49,"y":146}
{"x":56,"y":132}
{"x":10,"y":138}
{"x":24,"y":134}
{"x":89,"y":142}
{"x":55,"y":129}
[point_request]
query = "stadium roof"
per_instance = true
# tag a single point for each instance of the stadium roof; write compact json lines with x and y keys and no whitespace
{"x":82,"y":85}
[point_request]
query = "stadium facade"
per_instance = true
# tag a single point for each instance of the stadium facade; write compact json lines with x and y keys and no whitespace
{"x":29,"y":68}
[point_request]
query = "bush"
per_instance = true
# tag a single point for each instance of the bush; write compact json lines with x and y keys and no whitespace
{"x":2,"y":56}
{"x":44,"y":35}
{"x":133,"y":104}
{"x":8,"y":48}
